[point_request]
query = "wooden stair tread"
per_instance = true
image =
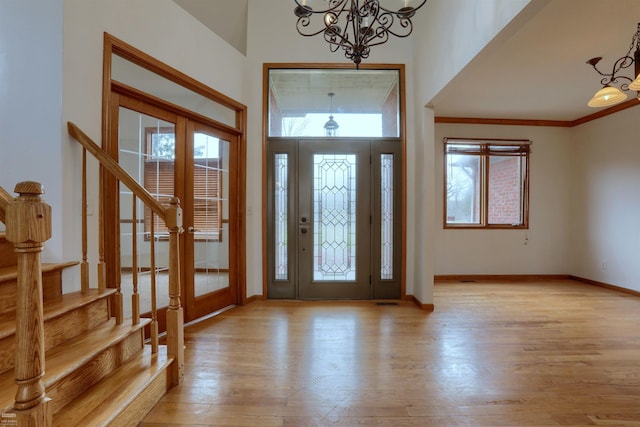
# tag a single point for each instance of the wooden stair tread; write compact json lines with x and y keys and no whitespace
{"x":53,"y":308}
{"x":11,"y":272}
{"x":106,"y":399}
{"x":65,"y":358}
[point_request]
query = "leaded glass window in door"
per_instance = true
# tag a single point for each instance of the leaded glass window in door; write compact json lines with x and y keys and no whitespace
{"x":334,"y":218}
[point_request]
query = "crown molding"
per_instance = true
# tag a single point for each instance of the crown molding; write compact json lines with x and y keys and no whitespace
{"x":552,"y":123}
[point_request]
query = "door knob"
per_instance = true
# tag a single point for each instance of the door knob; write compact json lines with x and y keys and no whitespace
{"x":192,"y":230}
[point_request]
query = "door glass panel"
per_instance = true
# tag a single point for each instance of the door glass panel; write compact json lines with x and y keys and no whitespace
{"x":334,"y":217}
{"x":210,"y":213}
{"x":147,"y":152}
{"x":281,"y":215}
{"x":386,"y":214}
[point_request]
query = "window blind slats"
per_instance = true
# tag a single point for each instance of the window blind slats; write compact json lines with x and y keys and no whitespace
{"x":207,"y":200}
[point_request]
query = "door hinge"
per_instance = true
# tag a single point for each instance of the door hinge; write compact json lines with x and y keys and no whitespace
{"x":369,"y":279}
{"x":370,"y":219}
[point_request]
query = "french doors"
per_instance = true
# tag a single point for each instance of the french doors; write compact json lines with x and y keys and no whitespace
{"x":173,"y":155}
{"x":333,"y":210}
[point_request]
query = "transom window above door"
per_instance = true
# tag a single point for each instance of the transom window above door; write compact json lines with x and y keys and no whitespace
{"x":334,"y":102}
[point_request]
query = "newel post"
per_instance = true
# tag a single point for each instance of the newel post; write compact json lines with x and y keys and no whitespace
{"x":28,"y":227}
{"x":175,"y":317}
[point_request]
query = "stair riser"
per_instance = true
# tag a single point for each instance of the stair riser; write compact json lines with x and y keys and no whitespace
{"x":68,"y":388}
{"x":74,"y":323}
{"x":60,"y":329}
{"x":144,"y":402}
{"x":7,"y":253}
{"x":8,"y":294}
{"x":51,"y":288}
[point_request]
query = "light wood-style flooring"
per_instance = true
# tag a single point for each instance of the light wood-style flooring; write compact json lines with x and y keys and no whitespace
{"x":492,"y":354}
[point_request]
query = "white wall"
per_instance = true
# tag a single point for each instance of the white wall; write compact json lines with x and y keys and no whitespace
{"x":448,"y":35}
{"x":606,"y":200}
{"x":544,"y":247}
{"x":159,"y":28}
{"x":31,"y":103}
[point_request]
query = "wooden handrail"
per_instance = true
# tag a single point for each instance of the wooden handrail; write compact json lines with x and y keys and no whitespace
{"x":5,"y":200}
{"x":117,"y":171}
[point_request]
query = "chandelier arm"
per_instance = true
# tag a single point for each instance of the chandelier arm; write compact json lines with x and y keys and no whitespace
{"x":396,"y":11}
{"x":333,"y":36}
{"x":303,"y":23}
{"x":404,"y":23}
{"x":381,"y":34}
{"x":623,"y":62}
{"x":332,"y":5}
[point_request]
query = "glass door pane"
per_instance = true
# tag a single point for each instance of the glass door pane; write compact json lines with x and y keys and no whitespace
{"x":210,"y":224}
{"x":147,"y":151}
{"x":207,"y":216}
{"x":334,"y":217}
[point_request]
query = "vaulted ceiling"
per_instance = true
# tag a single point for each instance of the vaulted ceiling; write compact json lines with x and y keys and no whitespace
{"x":534,"y":69}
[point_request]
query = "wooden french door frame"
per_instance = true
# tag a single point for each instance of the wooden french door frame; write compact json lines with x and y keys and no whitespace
{"x":197,"y":306}
{"x":114,"y":46}
{"x":193,"y":307}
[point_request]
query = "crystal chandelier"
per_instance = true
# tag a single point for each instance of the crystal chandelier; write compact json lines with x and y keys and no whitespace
{"x":610,"y":94}
{"x":355,"y":25}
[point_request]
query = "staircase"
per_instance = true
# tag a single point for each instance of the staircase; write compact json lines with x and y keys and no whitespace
{"x":97,"y":372}
{"x":72,"y":359}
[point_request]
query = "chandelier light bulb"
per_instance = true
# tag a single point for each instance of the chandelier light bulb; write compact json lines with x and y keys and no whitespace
{"x":635,"y":85}
{"x":607,"y":96}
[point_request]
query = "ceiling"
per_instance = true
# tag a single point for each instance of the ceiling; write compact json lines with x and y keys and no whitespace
{"x":535,"y":69}
{"x":226,"y":18}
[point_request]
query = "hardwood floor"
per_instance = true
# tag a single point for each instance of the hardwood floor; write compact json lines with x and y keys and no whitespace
{"x":492,"y":354}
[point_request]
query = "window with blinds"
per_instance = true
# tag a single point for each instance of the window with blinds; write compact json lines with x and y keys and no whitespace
{"x":486,"y":183}
{"x":159,"y":178}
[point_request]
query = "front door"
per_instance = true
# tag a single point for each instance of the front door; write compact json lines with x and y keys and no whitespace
{"x":331,"y":205}
{"x":333,"y":219}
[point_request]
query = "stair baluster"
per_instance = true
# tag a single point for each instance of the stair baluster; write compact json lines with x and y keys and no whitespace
{"x":28,"y":226}
{"x":102,"y":273}
{"x":154,"y":309}
{"x":118,"y":299}
{"x":135,"y":296}
{"x":175,"y":316}
{"x":84,"y":265}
